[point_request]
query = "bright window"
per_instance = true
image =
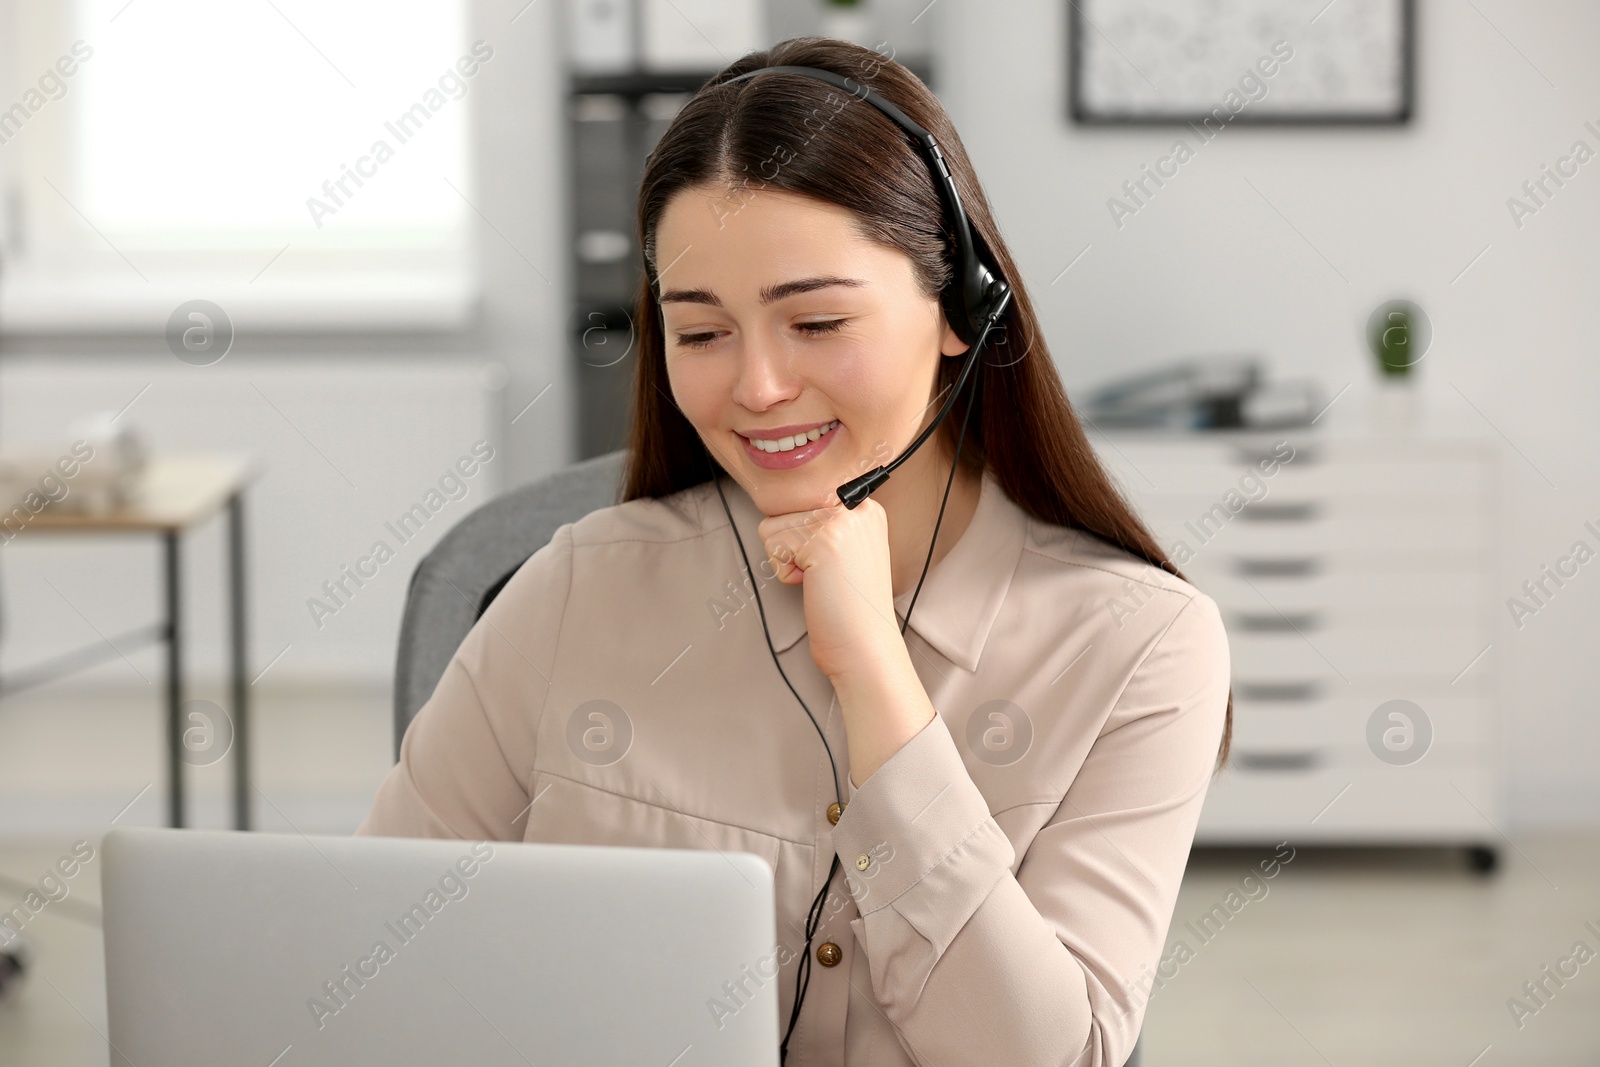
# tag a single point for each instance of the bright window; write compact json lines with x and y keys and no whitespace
{"x":197,"y":138}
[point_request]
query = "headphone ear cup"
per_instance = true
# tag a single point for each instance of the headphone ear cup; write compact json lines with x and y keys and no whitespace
{"x":968,"y":321}
{"x":955,"y":311}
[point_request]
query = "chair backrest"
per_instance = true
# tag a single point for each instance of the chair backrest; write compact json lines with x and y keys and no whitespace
{"x":458,"y":578}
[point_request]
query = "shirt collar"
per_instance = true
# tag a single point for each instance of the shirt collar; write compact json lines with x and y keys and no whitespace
{"x":961,"y":595}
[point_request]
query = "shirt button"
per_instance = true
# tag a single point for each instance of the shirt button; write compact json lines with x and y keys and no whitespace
{"x":863,"y":862}
{"x":828,"y":954}
{"x":834,"y":811}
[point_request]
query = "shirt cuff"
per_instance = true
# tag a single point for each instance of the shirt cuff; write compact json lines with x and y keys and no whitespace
{"x":917,"y":815}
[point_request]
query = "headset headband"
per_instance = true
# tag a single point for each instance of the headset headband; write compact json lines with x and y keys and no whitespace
{"x":976,"y":294}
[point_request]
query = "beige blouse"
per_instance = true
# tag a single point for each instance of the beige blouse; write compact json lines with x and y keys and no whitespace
{"x":1007,"y":877}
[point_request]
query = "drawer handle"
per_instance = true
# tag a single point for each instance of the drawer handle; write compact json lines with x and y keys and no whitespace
{"x":1292,"y":511}
{"x":1273,"y":622}
{"x":1307,"y":690}
{"x":1294,"y":567}
{"x":1277,"y":761}
{"x":1251,"y":457}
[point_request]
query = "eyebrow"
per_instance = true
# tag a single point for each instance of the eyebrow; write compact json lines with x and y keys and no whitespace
{"x":769,"y":294}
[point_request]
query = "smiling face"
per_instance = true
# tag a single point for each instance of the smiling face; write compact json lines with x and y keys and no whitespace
{"x":802,"y":353}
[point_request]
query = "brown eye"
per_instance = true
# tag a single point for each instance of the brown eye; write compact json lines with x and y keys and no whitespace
{"x":696,"y":340}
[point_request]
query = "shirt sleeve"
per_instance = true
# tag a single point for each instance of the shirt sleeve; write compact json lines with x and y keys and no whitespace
{"x":467,"y":757}
{"x":974,"y":964}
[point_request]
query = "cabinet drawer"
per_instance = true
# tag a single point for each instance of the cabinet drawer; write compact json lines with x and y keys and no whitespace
{"x":1424,"y":652}
{"x":1250,"y":584}
{"x":1340,"y":564}
{"x":1415,"y":803}
{"x":1337,"y":727}
{"x":1394,"y":476}
{"x":1320,"y":468}
{"x":1281,"y":523}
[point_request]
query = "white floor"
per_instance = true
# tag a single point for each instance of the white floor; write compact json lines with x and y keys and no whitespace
{"x":1352,"y":957}
{"x":1373,"y":956}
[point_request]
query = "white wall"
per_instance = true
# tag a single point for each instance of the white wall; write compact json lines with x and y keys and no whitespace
{"x":1208,"y":266}
{"x":390,"y":410}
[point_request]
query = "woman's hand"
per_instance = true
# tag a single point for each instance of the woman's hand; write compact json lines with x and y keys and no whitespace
{"x":840,"y":557}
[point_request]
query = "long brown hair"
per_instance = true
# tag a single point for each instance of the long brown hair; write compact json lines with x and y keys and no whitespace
{"x":1026,"y":432}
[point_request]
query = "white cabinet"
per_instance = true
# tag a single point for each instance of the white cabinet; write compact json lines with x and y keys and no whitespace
{"x":1351,"y":570}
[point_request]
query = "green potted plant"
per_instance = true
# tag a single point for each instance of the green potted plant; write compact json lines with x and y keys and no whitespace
{"x":1399,"y":334}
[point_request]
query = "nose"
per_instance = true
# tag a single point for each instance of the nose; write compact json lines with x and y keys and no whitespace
{"x":764,"y":377}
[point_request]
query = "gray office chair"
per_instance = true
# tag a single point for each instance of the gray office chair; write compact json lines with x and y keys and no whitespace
{"x":458,"y":578}
{"x":461,"y":574}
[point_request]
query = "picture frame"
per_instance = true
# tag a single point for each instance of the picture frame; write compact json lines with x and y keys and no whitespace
{"x":1174,"y":62}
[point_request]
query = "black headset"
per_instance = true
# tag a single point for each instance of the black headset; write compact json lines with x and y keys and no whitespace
{"x":973,"y":302}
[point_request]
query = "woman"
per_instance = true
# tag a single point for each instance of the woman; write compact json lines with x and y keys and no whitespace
{"x":1010,"y":779}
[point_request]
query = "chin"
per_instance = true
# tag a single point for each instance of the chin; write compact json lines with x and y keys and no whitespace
{"x":782,"y":493}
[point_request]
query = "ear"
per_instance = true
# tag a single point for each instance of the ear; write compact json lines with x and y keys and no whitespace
{"x":951,"y":343}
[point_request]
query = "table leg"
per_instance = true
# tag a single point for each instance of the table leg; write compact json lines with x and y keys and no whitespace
{"x":241,"y":709}
{"x":174,"y":681}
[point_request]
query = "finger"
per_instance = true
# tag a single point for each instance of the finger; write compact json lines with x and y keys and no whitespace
{"x":777,"y":548}
{"x":784,"y":565}
{"x":801,"y":523}
{"x":792,"y":532}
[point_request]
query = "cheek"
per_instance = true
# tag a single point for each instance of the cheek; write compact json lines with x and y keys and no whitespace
{"x":700,"y":388}
{"x":861,"y":379}
{"x":879,"y":383}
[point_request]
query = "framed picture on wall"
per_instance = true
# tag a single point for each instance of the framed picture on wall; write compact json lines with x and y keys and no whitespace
{"x":1258,"y":62}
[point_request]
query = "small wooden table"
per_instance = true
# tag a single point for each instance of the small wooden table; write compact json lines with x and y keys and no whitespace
{"x":174,"y":493}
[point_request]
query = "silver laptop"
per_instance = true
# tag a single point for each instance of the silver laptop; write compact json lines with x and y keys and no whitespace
{"x":282,"y":950}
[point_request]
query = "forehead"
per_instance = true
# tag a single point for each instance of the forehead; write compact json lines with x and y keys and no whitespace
{"x":744,"y":211}
{"x":739,"y":241}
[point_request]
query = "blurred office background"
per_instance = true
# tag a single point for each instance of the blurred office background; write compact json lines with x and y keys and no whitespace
{"x":205,"y":256}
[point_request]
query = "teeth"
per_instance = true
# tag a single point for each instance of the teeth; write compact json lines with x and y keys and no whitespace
{"x":786,"y":444}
